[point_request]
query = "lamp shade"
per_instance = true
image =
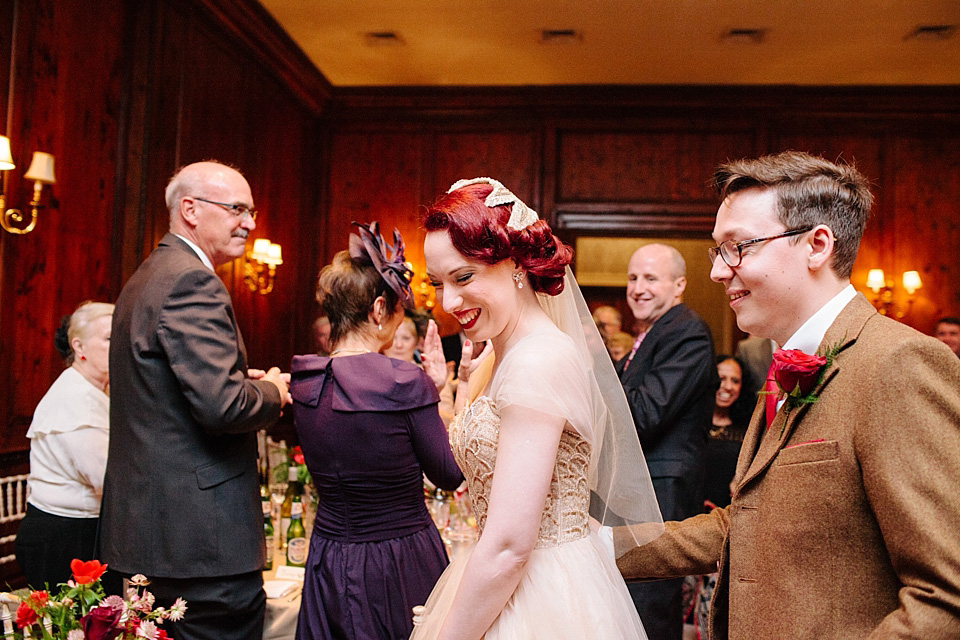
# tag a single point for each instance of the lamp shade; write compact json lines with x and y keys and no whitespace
{"x":876,"y":280}
{"x":6,"y":158}
{"x":911,"y":281}
{"x":274,"y":255}
{"x":41,"y":168}
{"x":261,"y":250}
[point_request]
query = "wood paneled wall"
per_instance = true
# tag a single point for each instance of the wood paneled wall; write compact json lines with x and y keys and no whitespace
{"x":636,"y":161}
{"x":122,"y":92}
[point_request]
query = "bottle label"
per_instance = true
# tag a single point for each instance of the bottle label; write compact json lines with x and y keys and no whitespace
{"x":265,"y":508}
{"x":297,"y":551}
{"x":269,"y":551}
{"x":296,"y":509}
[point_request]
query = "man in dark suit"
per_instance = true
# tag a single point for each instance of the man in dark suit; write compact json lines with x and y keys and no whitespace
{"x":844,"y":520}
{"x":180,"y":500}
{"x":670,"y":380}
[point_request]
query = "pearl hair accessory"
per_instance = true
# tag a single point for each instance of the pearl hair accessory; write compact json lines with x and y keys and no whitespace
{"x":521,"y":216}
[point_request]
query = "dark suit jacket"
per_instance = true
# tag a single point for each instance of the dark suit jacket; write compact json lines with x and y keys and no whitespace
{"x":180,"y":497}
{"x":452,"y":350}
{"x":757,"y":354}
{"x":844,"y":522}
{"x":671,"y":386}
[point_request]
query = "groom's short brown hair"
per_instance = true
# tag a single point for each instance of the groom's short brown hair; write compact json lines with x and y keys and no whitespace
{"x":810,"y":191}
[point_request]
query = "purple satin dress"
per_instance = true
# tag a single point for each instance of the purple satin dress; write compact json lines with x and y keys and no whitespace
{"x":369,"y":428}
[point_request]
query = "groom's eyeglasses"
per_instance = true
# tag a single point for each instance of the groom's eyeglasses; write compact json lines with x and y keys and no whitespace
{"x":730,"y":251}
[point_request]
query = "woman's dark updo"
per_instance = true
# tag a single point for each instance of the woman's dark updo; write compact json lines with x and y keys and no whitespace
{"x":346,"y":289}
{"x":480,"y":233}
{"x":61,"y":341}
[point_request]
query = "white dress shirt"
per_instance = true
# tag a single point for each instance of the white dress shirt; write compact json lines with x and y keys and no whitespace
{"x":68,"y":447}
{"x":198,"y":251}
{"x":810,"y":334}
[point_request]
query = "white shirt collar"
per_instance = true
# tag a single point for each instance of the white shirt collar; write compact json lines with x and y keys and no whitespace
{"x":810,"y":334}
{"x":203,"y":257}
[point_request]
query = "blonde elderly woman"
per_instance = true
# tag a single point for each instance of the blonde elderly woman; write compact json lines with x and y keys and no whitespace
{"x":68,"y":452}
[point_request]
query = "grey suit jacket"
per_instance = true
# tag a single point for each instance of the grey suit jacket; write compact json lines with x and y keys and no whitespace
{"x":180,"y":497}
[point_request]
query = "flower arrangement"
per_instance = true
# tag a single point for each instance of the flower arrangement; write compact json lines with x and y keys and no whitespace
{"x":295,"y":458}
{"x":799,"y":374}
{"x":81,"y":610}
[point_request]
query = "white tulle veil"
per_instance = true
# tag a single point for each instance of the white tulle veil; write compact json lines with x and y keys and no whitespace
{"x":622,"y":495}
{"x":622,"y":492}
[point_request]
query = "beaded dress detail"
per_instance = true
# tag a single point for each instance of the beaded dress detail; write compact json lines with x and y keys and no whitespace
{"x":571,"y":589}
{"x":473,"y":438}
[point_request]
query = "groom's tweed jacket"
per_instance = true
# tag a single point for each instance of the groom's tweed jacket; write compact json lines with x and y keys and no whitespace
{"x":845,"y":522}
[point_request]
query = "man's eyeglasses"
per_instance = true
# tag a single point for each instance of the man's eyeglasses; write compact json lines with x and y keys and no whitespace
{"x":730,"y":251}
{"x":239,"y":210}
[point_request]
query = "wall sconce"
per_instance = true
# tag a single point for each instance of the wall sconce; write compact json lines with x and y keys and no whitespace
{"x":40,"y":171}
{"x":883,"y":299}
{"x":426,"y":296}
{"x":261,"y":265}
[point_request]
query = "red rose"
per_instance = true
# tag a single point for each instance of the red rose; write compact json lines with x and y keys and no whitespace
{"x":86,"y":572}
{"x":793,"y":368}
{"x":101,"y":623}
{"x":39,"y":598}
{"x":26,"y":616}
{"x":298,"y":454}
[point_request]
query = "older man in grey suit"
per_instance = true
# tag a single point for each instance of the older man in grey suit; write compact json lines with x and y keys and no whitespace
{"x":181,"y":501}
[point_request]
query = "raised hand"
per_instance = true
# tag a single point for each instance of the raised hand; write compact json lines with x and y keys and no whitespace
{"x":432,"y":360}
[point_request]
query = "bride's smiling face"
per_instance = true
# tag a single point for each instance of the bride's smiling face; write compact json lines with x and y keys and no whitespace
{"x":481,"y":297}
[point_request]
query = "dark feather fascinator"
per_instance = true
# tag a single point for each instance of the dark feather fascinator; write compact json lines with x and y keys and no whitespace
{"x":387,"y":258}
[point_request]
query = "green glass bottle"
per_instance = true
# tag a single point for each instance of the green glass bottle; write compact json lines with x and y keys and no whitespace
{"x":293,"y":489}
{"x":268,"y":531}
{"x":296,"y":536}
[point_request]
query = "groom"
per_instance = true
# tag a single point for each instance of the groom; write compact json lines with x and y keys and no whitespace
{"x":845,"y":518}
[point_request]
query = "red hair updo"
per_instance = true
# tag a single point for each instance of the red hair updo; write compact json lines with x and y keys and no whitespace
{"x":480,"y":233}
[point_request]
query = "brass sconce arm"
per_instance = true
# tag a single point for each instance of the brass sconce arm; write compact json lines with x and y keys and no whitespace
{"x":260,"y":267}
{"x":883,"y":292}
{"x":41,"y":172}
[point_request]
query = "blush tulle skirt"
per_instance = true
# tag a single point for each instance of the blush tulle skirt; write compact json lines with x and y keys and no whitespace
{"x":572,"y":591}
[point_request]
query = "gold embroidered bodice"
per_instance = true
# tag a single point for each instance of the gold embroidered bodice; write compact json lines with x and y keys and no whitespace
{"x":474,"y":434}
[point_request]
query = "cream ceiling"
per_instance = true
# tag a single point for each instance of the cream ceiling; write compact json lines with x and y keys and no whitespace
{"x":498,"y":42}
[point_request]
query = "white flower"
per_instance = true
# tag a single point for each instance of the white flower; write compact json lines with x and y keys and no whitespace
{"x":76,"y":634}
{"x":147,"y":629}
{"x":139,"y":580}
{"x":177,"y":610}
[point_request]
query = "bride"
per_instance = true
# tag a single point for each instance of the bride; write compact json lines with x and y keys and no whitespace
{"x":542,"y":433}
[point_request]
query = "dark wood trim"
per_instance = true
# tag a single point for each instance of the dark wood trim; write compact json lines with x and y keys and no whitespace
{"x":349,"y":103}
{"x":619,"y":219}
{"x":256,"y":28}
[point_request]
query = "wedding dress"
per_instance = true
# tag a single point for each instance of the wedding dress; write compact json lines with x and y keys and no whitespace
{"x":571,"y":588}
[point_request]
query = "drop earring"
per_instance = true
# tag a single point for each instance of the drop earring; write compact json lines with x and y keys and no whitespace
{"x":518,"y":278}
{"x":380,"y":326}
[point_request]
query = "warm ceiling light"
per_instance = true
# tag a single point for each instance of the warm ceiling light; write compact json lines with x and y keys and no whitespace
{"x":382,"y":38}
{"x":932,"y":32}
{"x":744,"y":36}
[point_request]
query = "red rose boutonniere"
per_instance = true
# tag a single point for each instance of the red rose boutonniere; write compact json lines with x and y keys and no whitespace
{"x":797,"y":374}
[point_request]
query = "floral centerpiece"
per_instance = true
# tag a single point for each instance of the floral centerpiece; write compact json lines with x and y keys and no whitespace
{"x":294,"y":458}
{"x":81,"y":610}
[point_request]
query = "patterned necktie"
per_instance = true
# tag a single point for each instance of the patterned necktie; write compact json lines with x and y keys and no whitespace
{"x":633,"y":351}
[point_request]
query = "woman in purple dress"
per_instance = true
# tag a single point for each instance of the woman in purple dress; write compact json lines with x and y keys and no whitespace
{"x":369,"y":428}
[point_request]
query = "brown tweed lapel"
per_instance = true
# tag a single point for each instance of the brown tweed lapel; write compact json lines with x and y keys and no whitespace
{"x":761,"y":445}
